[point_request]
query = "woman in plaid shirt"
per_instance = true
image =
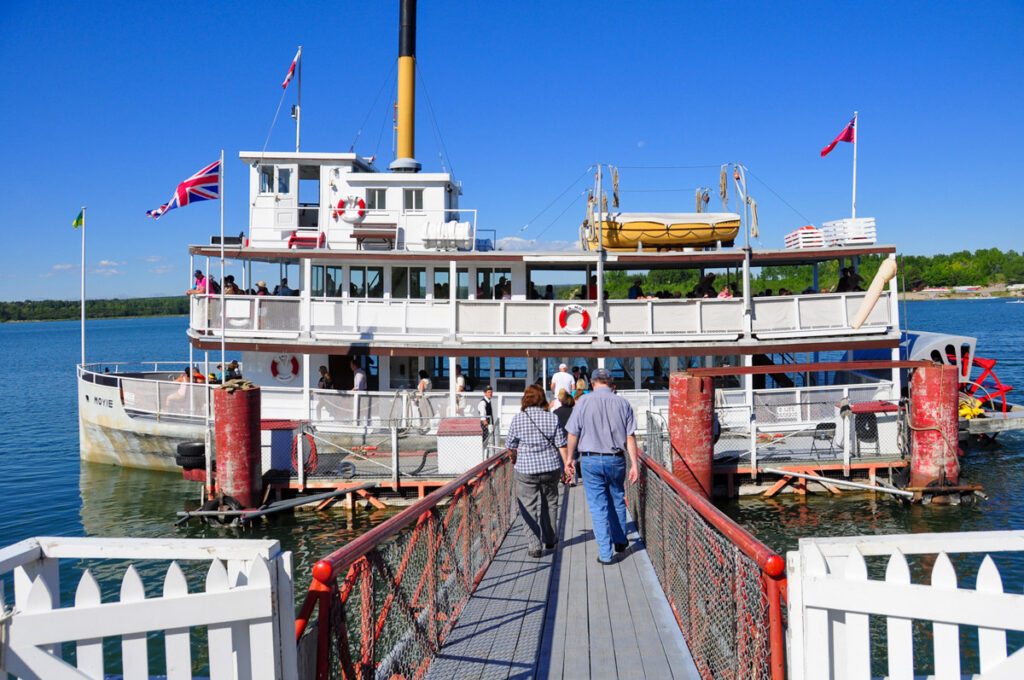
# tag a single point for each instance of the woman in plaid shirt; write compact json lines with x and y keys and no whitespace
{"x":538,"y":446}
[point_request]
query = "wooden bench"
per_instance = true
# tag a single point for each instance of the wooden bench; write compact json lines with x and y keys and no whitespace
{"x":379,"y":232}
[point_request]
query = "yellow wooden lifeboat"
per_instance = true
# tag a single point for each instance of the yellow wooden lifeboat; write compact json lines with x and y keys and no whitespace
{"x":659,"y":231}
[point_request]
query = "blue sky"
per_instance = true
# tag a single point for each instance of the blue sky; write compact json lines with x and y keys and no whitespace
{"x":110,"y":105}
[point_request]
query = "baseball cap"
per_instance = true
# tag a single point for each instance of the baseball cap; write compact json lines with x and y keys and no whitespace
{"x":562,"y":367}
{"x":601,"y":374}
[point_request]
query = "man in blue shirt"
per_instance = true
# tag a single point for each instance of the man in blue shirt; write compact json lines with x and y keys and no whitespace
{"x":602,"y":427}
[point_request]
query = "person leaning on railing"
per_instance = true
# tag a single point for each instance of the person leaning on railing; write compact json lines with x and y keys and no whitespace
{"x":538,"y":447}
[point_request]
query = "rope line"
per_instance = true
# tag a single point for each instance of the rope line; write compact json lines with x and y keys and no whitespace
{"x":778,"y":196}
{"x":442,"y":148}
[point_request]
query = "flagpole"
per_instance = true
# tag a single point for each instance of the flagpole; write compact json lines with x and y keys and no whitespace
{"x":298,"y":105}
{"x":856,"y":136}
{"x":83,"y":285}
{"x":220,"y":193}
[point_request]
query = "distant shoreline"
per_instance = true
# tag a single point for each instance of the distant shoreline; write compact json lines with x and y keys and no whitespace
{"x":99,"y":318}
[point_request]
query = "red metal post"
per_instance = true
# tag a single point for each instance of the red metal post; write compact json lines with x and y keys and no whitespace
{"x":776,"y":630}
{"x":934,"y":392}
{"x":237,"y":417}
{"x":689,"y":425}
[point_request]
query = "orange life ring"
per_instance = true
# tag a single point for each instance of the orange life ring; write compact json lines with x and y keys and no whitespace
{"x":563,"y":316}
{"x":351,"y":209}
{"x":286,"y":361}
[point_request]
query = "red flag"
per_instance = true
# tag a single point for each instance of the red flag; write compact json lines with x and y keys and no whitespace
{"x":847,"y":135}
{"x":291,"y":70}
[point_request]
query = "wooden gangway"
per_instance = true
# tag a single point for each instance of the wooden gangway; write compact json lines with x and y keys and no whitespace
{"x":446,"y":589}
{"x":564,"y":615}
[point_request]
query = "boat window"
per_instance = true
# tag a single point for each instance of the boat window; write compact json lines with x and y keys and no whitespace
{"x":376,"y":199}
{"x":357,"y":282}
{"x":404,"y":372}
{"x":284,"y":180}
{"x":414,"y":199}
{"x":493,"y":284}
{"x":375,"y":282}
{"x":266,"y":179}
{"x":654,"y":373}
{"x":332,"y":284}
{"x":409,"y":282}
{"x":316,"y":288}
{"x":442,"y":290}
{"x":462,"y":292}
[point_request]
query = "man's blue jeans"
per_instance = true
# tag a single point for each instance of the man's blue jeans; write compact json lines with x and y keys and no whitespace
{"x":604,"y":481}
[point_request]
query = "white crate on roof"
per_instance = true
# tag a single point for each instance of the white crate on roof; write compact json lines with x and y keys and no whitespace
{"x":805,"y":237}
{"x":851,"y":231}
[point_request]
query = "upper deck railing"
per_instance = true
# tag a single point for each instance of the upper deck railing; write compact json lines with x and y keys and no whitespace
{"x":445,"y":321}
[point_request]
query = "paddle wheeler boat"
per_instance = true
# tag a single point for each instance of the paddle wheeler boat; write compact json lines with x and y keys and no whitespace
{"x":391,"y":269}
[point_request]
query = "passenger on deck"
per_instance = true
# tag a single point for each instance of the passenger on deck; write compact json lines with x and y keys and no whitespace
{"x":484,"y":409}
{"x":592,"y":287}
{"x":602,"y":428}
{"x":358,"y":377}
{"x":325,"y":382}
{"x":283,"y":289}
{"x":635,"y":291}
{"x":537,"y":446}
{"x":182,"y":392}
{"x":562,"y":380}
{"x":424,"y":385}
{"x":200,"y":287}
{"x":549,"y":292}
{"x":229,"y":285}
{"x":233,"y":373}
{"x":261,"y":288}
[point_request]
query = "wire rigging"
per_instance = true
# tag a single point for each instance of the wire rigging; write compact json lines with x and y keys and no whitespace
{"x":555,"y":200}
{"x":776,"y":194}
{"x":384,"y":83}
{"x":442,"y":148}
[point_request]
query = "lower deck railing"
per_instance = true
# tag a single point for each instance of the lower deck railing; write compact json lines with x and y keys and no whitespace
{"x":725,"y":587}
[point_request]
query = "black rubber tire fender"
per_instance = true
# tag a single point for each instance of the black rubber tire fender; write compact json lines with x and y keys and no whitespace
{"x":192,"y":449}
{"x":219,"y":504}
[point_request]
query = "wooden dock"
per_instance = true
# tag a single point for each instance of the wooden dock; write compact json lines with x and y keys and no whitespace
{"x":564,"y":615}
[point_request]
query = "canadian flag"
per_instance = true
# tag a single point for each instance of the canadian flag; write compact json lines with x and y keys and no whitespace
{"x":847,"y":135}
{"x":291,"y":69}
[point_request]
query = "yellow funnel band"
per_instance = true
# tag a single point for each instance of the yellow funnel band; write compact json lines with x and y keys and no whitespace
{"x":406,"y":107}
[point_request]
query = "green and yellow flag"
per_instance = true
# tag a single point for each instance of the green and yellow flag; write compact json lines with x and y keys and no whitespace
{"x":80,"y":220}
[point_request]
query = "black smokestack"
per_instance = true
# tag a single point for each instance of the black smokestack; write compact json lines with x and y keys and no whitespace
{"x":407,"y":29}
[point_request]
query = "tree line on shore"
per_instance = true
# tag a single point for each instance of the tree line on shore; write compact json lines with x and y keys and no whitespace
{"x":56,"y":310}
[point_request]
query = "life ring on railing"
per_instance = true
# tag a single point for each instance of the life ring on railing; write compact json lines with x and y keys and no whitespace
{"x":311,"y":462}
{"x":284,"y":367}
{"x":563,"y":317}
{"x":351,"y":209}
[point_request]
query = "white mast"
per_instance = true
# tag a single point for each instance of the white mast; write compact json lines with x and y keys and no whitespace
{"x":297,"y":114}
{"x":83,"y":285}
{"x":856,"y":136}
{"x":220,"y":194}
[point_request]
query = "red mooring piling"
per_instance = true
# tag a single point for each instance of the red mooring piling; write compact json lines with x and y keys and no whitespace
{"x":934,"y":393}
{"x":237,"y":417}
{"x":689,"y":425}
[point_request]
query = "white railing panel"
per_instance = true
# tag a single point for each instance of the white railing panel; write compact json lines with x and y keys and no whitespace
{"x":773,"y":314}
{"x":721,"y":316}
{"x":477,"y":318}
{"x":630,"y":318}
{"x":828,"y":581}
{"x":528,"y":318}
{"x":676,"y":317}
{"x":428,"y":317}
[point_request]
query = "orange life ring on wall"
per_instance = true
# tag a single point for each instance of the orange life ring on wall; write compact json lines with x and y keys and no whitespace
{"x":563,"y":316}
{"x":284,"y":367}
{"x":350,"y":209}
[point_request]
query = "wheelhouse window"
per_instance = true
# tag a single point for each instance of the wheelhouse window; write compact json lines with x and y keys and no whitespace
{"x":283,"y":185}
{"x":266,"y":179}
{"x":376,"y":199}
{"x":413,"y":199}
{"x":442,"y":287}
{"x":462,"y":292}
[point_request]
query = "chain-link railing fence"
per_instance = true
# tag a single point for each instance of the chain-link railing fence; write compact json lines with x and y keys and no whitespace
{"x":722,"y":597}
{"x":386,"y":602}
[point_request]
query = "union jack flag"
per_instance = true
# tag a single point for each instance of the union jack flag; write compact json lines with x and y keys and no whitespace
{"x":202,"y":186}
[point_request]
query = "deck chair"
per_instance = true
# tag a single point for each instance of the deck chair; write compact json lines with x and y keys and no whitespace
{"x":865,"y":425}
{"x":824,"y":433}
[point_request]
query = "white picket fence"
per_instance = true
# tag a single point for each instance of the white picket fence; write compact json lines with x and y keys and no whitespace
{"x":247,"y":607}
{"x":831,"y":598}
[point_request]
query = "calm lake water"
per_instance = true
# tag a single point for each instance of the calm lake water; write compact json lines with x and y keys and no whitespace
{"x":46,"y":490}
